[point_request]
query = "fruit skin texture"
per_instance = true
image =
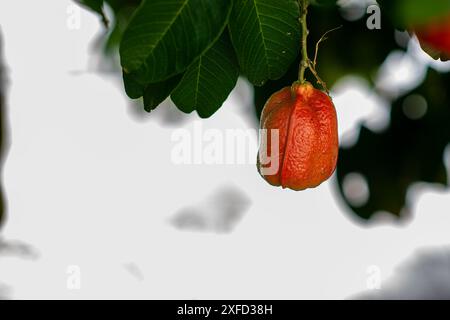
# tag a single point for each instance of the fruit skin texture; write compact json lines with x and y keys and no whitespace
{"x":434,"y":37}
{"x":308,"y":137}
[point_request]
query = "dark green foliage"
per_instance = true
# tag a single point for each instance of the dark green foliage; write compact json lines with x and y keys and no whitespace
{"x":208,"y":81}
{"x":406,"y":13}
{"x":409,"y":151}
{"x":155,"y":93}
{"x":3,"y":130}
{"x":266,"y":36}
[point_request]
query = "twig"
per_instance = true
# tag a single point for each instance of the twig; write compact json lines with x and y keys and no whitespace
{"x":322,"y":38}
{"x":319,"y":80}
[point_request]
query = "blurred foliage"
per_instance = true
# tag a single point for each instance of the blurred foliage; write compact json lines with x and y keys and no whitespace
{"x":407,"y":13}
{"x":122,"y":10}
{"x":409,"y":150}
{"x":3,"y":130}
{"x":96,"y":6}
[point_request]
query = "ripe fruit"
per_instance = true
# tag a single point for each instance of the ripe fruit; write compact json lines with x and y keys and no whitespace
{"x":434,"y":38}
{"x":307,"y":148}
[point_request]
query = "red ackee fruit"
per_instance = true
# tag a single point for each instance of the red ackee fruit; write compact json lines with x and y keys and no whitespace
{"x":434,"y":37}
{"x":308,"y":138}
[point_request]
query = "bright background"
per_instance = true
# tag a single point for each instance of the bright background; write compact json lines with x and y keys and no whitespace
{"x":90,"y":183}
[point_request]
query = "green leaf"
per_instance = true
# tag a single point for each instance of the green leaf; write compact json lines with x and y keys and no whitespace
{"x":208,"y":81}
{"x":155,"y":93}
{"x":408,"y":13}
{"x":266,"y":36}
{"x":164,"y":37}
{"x":96,"y":6}
{"x":133,"y":88}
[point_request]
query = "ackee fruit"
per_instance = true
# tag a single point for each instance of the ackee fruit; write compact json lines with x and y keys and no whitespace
{"x":307,"y":149}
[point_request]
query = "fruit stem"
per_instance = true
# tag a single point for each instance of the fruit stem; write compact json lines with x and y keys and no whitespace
{"x":304,"y":63}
